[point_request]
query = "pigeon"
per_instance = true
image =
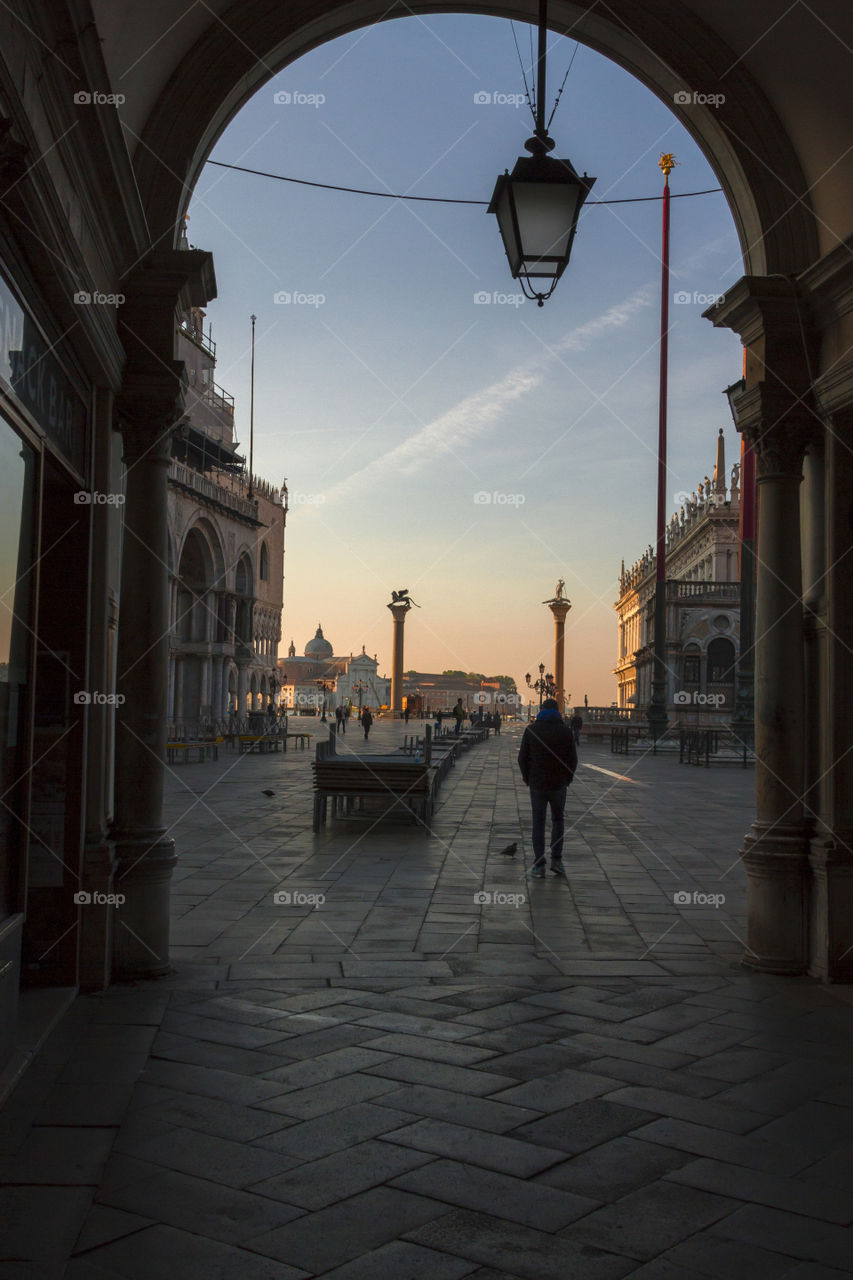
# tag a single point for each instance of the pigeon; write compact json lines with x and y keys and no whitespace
{"x":267,"y":792}
{"x":511,"y":850}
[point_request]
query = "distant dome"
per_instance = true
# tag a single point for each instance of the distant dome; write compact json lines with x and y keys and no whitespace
{"x":319,"y":647}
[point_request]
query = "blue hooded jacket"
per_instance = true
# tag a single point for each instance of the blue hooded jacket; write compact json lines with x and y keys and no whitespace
{"x":548,"y":756}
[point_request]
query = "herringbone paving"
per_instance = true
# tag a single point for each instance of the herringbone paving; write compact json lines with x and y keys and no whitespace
{"x":415,"y":1062}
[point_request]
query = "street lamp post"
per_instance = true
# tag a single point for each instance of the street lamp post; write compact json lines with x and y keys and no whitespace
{"x":322,"y":685}
{"x":544,"y":686}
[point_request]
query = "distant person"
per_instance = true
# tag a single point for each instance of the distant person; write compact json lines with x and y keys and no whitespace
{"x":344,"y":718}
{"x":439,"y":716}
{"x":459,"y":715}
{"x":366,"y":722}
{"x":576,"y":724}
{"x":339,"y":718}
{"x":406,"y":715}
{"x":548,"y":759}
{"x":496,"y":723}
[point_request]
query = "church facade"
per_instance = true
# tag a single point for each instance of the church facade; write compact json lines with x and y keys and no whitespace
{"x":702,"y":609}
{"x":226,"y":556}
{"x":350,"y":680}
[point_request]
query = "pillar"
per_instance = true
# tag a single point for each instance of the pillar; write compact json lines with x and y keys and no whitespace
{"x":148,"y":411}
{"x":145,"y":854}
{"x":560,"y":610}
{"x":776,"y":419}
{"x":830,"y":767}
{"x":398,"y":612}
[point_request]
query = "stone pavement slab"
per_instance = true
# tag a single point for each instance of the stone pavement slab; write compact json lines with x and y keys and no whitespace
{"x":443,"y":1069}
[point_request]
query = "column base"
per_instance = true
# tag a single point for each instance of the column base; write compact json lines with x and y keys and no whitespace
{"x":97,"y":917}
{"x":831,"y":909}
{"x":145,"y":861}
{"x":777,"y":873}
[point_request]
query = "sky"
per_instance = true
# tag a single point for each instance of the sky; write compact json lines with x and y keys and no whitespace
{"x":436,"y":433}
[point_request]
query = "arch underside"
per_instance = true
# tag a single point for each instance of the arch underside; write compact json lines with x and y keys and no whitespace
{"x":665,"y":46}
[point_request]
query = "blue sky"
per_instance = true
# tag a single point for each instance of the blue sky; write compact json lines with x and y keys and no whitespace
{"x":393,"y":400}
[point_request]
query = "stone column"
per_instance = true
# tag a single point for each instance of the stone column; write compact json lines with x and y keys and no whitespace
{"x":148,"y":410}
{"x":830,"y":768}
{"x":145,"y":854}
{"x":398,"y":612}
{"x":560,"y":610}
{"x":774,"y":415}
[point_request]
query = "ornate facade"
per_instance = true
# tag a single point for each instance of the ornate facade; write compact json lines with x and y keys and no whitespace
{"x":353,"y":679}
{"x":702,"y":608}
{"x":226,"y":555}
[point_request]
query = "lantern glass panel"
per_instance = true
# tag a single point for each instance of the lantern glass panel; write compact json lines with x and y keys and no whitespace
{"x":507,"y":227}
{"x":546,"y":212}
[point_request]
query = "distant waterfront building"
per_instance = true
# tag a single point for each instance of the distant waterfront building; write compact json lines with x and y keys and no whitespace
{"x":434,"y":691}
{"x":354,"y":678}
{"x":703,"y":608}
{"x":226,"y":555}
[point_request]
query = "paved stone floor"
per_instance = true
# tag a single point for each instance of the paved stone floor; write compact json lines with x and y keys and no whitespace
{"x":386,"y":1052}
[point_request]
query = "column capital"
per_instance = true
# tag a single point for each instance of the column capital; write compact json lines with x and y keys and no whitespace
{"x":165,"y":284}
{"x":773,"y":318}
{"x":777,"y":427}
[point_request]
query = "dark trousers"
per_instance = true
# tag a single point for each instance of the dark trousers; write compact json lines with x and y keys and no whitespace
{"x":540,"y":803}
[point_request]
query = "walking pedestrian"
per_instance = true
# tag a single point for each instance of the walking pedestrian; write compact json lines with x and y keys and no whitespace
{"x":459,"y":715}
{"x":576,"y":724}
{"x":344,"y":717}
{"x":339,"y":718}
{"x":548,"y":759}
{"x":406,"y":714}
{"x":496,"y":721}
{"x":366,"y":722}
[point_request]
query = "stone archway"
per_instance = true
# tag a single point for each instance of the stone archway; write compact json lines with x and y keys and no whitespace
{"x":667,"y":47}
{"x":790,"y":311}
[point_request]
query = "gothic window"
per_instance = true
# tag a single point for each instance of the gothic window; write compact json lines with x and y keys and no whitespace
{"x":721,"y":660}
{"x":264,"y":569}
{"x":691,"y":668}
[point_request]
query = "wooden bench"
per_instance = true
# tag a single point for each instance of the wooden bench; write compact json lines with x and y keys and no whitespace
{"x":303,"y":739}
{"x":202,"y":749}
{"x":260,"y":742}
{"x":405,"y":783}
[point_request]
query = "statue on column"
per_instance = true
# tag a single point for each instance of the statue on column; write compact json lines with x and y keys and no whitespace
{"x":403,"y":598}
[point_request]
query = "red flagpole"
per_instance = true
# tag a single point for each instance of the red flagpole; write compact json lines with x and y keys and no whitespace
{"x":657,"y":709}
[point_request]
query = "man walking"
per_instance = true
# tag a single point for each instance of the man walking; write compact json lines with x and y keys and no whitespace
{"x":366,"y":722}
{"x":548,"y":759}
{"x":458,"y":715}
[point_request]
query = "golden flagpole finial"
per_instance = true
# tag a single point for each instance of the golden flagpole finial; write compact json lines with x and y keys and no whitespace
{"x":668,"y":162}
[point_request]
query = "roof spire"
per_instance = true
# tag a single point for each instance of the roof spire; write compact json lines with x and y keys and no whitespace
{"x":720,"y":465}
